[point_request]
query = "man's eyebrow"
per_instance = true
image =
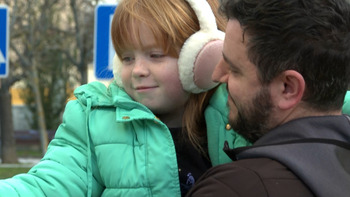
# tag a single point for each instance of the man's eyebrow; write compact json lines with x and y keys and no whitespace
{"x":228,"y":61}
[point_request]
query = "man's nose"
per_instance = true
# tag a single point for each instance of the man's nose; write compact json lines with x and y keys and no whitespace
{"x":219,"y":73}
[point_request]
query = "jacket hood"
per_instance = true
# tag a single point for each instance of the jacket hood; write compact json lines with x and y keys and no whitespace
{"x":99,"y":94}
{"x":112,"y":96}
{"x":316,"y":149}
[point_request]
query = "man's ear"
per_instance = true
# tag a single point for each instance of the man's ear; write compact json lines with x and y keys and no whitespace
{"x":288,"y":89}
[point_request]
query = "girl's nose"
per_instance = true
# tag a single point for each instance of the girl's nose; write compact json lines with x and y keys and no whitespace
{"x":140,"y":68}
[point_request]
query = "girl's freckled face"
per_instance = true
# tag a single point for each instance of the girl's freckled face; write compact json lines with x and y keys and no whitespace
{"x":151,"y":77}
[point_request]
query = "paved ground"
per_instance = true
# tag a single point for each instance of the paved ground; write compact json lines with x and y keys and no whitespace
{"x":23,"y":162}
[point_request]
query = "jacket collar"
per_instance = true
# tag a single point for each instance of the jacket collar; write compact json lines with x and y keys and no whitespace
{"x":112,"y":96}
{"x":316,"y":149}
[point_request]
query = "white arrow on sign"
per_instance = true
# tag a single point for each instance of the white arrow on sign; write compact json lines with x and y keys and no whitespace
{"x":2,"y":58}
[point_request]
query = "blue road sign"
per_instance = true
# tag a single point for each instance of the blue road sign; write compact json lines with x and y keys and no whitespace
{"x":4,"y":41}
{"x":103,"y":48}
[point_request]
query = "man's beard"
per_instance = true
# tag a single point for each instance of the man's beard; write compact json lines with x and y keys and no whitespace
{"x":252,"y":120}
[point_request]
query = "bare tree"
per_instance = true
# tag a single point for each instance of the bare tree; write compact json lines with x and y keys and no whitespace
{"x":8,"y":145}
{"x":48,"y":39}
{"x":28,"y":22}
{"x":83,"y":23}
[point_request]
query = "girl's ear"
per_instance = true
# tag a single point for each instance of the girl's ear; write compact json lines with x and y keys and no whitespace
{"x":288,"y":89}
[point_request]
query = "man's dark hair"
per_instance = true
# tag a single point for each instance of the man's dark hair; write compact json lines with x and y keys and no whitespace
{"x":309,"y":36}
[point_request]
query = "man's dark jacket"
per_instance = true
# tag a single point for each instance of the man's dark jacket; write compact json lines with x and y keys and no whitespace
{"x":304,"y":157}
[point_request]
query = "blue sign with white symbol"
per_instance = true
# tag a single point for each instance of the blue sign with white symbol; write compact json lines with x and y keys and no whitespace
{"x":4,"y":41}
{"x":103,"y":47}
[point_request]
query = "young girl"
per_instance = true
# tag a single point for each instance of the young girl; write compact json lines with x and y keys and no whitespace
{"x":153,"y":131}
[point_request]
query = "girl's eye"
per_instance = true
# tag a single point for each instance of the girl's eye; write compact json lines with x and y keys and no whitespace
{"x":127,"y":60}
{"x":157,"y":55}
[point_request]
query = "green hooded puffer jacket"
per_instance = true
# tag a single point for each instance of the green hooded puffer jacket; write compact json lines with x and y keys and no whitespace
{"x":110,"y":145}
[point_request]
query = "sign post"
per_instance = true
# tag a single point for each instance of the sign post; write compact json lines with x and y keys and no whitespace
{"x":4,"y":41}
{"x":103,"y":47}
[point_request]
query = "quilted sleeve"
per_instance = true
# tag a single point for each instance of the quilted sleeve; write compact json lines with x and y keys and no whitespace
{"x":63,"y":169}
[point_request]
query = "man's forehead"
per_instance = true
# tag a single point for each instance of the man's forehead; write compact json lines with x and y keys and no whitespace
{"x":235,"y":31}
